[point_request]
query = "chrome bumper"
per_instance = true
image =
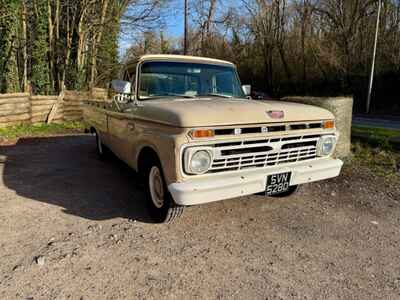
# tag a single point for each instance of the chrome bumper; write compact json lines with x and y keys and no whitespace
{"x":231,"y":185}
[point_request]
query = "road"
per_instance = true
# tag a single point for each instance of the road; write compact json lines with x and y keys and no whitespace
{"x":73,"y":227}
{"x":377,"y":122}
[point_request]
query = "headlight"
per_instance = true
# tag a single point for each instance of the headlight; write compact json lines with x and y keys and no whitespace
{"x":326,"y":145}
{"x":197,"y":161}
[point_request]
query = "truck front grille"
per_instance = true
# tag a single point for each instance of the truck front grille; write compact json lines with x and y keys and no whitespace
{"x":237,"y":131}
{"x":261,"y":153}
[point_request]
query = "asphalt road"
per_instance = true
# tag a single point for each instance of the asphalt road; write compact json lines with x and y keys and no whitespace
{"x":377,"y":122}
{"x":73,"y":227}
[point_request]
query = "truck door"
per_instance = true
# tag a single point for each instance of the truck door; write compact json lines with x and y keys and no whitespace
{"x":120,"y":127}
{"x":121,"y":131}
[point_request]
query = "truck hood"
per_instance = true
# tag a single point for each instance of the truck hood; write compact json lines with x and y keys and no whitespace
{"x":209,"y":112}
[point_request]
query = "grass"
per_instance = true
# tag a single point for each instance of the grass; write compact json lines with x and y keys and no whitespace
{"x":374,"y":148}
{"x":25,"y":130}
{"x":378,"y":132}
{"x":378,"y":137}
{"x":383,"y":162}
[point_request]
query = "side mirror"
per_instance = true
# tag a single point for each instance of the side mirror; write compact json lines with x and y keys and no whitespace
{"x":121,"y":86}
{"x":246,"y":89}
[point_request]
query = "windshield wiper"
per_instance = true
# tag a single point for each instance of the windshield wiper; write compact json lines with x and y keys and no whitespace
{"x":217,"y":95}
{"x":179,"y":95}
{"x":166,"y":95}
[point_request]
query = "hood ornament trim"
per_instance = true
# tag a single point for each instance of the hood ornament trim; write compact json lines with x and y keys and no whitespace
{"x":276,"y":114}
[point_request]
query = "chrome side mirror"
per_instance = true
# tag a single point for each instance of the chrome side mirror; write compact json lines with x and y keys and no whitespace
{"x":246,"y":90}
{"x":123,"y":90}
{"x":121,"y":86}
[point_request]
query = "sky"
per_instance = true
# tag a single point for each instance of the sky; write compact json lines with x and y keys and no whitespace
{"x":172,"y":20}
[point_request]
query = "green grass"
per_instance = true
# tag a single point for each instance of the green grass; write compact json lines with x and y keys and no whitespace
{"x":18,"y":131}
{"x":383,"y":161}
{"x":377,"y":132}
{"x":374,"y":148}
{"x":378,"y":137}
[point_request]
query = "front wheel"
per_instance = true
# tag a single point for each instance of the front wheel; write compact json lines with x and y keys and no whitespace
{"x":161,"y":205}
{"x":293,"y":189}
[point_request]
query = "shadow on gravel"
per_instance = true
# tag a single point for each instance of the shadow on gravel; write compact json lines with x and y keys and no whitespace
{"x":65,"y":171}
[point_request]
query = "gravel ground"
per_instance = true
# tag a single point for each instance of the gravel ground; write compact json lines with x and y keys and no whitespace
{"x":73,"y":227}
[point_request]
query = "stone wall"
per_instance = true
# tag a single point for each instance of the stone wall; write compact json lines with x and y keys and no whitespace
{"x":342,"y":108}
{"x":20,"y":108}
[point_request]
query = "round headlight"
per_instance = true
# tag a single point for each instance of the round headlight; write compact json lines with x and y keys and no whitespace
{"x":200,"y":162}
{"x":326,"y":145}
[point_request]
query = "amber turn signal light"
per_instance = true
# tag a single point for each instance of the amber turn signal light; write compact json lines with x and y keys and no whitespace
{"x":329,"y":124}
{"x":202,"y":133}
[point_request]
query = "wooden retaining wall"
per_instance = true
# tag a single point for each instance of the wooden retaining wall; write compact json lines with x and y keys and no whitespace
{"x":14,"y":108}
{"x":20,"y":108}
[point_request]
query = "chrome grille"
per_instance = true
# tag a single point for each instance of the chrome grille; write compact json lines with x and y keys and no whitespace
{"x":282,"y":127}
{"x":261,"y":153}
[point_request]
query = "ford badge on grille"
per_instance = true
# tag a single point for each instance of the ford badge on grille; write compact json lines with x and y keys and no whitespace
{"x":276,"y":114}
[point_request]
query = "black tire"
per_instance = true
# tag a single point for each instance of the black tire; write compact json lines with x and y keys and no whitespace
{"x":168,"y":211}
{"x":293,"y":189}
{"x":101,"y":149}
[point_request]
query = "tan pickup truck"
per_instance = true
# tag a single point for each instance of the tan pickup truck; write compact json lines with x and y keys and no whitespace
{"x":188,"y":126}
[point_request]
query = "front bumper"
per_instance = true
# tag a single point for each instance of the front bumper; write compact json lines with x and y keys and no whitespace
{"x":230,"y":185}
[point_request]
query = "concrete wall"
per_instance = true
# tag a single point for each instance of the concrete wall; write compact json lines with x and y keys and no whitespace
{"x":342,"y":108}
{"x":20,"y":108}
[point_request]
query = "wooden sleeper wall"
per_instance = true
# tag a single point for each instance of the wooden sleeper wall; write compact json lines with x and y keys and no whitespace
{"x":14,"y":108}
{"x":20,"y":108}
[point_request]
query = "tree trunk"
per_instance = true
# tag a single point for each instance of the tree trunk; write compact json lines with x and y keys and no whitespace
{"x":51,"y":43}
{"x":96,"y":41}
{"x":24,"y":49}
{"x":285,"y":64}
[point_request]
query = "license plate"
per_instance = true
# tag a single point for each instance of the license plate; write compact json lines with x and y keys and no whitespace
{"x":277,"y":183}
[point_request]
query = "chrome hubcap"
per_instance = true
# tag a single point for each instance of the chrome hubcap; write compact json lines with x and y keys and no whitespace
{"x":156,"y":187}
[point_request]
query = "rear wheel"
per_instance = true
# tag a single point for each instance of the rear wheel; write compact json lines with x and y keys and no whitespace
{"x":161,"y":205}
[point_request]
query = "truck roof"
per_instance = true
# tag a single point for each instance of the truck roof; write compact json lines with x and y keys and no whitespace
{"x":184,"y":58}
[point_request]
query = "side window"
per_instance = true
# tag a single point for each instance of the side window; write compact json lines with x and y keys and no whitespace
{"x":130,"y":75}
{"x":153,"y":84}
{"x":192,"y":85}
{"x":224,"y":83}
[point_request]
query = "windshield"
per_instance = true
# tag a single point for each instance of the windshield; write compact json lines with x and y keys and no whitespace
{"x":164,"y":79}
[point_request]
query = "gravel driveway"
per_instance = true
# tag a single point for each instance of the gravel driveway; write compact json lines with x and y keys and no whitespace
{"x":73,"y":227}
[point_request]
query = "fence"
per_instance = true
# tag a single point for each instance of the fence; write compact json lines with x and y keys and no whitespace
{"x":23,"y":108}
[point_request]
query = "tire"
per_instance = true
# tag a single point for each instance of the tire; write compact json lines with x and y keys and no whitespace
{"x":101,"y":149}
{"x":293,"y":189}
{"x":161,"y":206}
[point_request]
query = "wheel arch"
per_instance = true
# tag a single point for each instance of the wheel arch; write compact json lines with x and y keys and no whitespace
{"x":92,"y":130}
{"x":146,"y":154}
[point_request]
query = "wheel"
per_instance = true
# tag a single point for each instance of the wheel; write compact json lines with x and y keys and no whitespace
{"x":161,"y":206}
{"x":100,"y":148}
{"x":293,"y":189}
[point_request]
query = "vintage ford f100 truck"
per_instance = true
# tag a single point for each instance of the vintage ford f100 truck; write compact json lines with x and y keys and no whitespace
{"x":188,"y":126}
